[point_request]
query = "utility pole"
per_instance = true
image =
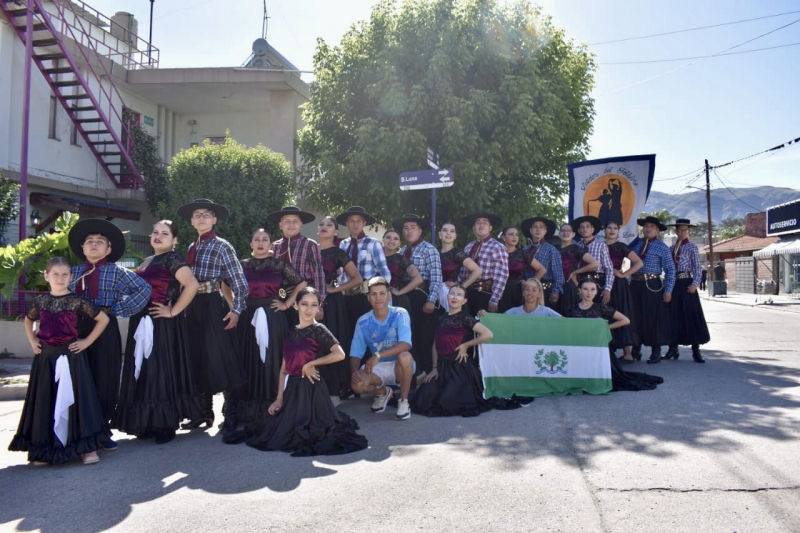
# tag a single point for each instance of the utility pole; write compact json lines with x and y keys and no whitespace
{"x":710,"y":240}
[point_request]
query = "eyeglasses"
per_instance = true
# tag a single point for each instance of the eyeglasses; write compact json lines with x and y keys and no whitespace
{"x":207,"y":215}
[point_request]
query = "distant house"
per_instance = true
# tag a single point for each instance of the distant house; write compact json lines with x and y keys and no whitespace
{"x":783,"y":224}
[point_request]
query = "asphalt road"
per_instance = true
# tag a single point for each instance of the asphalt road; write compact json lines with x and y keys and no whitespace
{"x":715,"y":448}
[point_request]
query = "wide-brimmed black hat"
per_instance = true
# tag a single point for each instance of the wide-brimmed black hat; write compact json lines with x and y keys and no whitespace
{"x":528,"y":222}
{"x":356,"y":210}
{"x":494,"y":220}
{"x":421,"y":222}
{"x":96,"y":226}
{"x":305,"y":216}
{"x":682,"y":222}
{"x":652,"y":220}
{"x":220,"y":211}
{"x":594,"y":221}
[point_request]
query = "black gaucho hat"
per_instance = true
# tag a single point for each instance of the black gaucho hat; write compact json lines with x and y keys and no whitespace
{"x":305,"y":216}
{"x":652,"y":220}
{"x":528,"y":222}
{"x":356,"y":210}
{"x":682,"y":222}
{"x":594,"y":221}
{"x":220,"y":211}
{"x":421,"y":222}
{"x":494,"y":220}
{"x":96,"y":226}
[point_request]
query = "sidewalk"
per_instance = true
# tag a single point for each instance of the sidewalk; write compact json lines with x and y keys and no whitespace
{"x":14,"y":377}
{"x":780,"y":302}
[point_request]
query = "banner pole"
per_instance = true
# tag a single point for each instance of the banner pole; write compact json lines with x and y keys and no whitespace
{"x":433,"y":216}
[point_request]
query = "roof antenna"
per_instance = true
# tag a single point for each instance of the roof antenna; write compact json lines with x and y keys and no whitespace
{"x":265,"y":23}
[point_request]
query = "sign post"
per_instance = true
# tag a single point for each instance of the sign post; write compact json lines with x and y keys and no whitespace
{"x":433,"y":162}
{"x":428,"y":179}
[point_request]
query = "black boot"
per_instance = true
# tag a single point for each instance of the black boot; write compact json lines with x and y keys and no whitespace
{"x":696,"y":354}
{"x":207,"y":413}
{"x":637,"y":352}
{"x":672,"y":353}
{"x":229,"y":408}
{"x":655,"y":355}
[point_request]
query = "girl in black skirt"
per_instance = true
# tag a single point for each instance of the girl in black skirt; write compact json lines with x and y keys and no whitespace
{"x":405,"y":276}
{"x":574,"y":262}
{"x":334,"y":260}
{"x":62,"y":418}
{"x":519,"y":260}
{"x":157,"y":389}
{"x":453,"y":260}
{"x":302,"y":420}
{"x":621,"y":292}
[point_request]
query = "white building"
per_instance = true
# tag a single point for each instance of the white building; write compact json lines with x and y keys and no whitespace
{"x":85,"y":61}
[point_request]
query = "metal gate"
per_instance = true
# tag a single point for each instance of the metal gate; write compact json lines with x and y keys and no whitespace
{"x":745,"y":275}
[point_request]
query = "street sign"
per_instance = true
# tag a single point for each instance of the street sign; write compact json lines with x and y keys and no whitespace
{"x":426,"y":179}
{"x":433,"y":158}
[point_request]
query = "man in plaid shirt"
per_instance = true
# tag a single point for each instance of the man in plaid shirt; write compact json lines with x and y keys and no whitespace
{"x":588,"y":227}
{"x":492,"y":257}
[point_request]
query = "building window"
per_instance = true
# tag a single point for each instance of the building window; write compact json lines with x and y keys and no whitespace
{"x":52,"y":125}
{"x":216,"y":139}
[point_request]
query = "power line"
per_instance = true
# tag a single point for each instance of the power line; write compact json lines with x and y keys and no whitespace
{"x":692,"y":29}
{"x":774,"y":148}
{"x":651,"y":78}
{"x":733,"y":193}
{"x":696,"y":57}
{"x":679,"y":177}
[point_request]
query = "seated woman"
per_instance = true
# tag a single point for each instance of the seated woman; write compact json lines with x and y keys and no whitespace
{"x":588,"y":308}
{"x":405,"y":276}
{"x":533,"y":301}
{"x":454,"y":386}
{"x":302,"y":420}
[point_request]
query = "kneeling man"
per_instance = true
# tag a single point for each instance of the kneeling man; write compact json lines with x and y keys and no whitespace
{"x":386,"y":331}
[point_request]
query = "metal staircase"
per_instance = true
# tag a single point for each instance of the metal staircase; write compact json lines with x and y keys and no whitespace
{"x":64,"y":40}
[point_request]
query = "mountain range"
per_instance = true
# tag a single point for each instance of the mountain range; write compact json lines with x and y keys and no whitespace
{"x":725,"y":203}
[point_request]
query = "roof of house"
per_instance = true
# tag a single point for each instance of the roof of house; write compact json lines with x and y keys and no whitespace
{"x":742,"y":243}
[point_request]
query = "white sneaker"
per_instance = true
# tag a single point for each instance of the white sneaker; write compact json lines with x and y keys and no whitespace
{"x":379,"y":404}
{"x":403,"y":410}
{"x":335,"y":400}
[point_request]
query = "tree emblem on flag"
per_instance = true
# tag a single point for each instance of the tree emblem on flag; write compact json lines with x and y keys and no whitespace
{"x":550,"y":362}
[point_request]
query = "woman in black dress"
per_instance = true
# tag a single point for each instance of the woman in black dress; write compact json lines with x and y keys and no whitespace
{"x":302,"y":419}
{"x":519,"y":260}
{"x":334,"y":261}
{"x":453,"y":260}
{"x":588,"y":308}
{"x":405,"y":276}
{"x":574,"y":262}
{"x":263,"y":325}
{"x":157,"y":389}
{"x":621,"y":292}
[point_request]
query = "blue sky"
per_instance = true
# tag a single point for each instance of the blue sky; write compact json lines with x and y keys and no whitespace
{"x":722,"y":108}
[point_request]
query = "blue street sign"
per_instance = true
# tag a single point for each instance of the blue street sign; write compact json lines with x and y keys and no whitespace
{"x":433,"y":158}
{"x":426,"y":179}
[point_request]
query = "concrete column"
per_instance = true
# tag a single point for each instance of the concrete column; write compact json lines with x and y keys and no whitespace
{"x":168,"y":135}
{"x":162,"y":132}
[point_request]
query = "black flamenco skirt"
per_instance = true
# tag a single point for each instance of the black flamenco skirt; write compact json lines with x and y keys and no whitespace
{"x":87,"y":424}
{"x":477,"y":300}
{"x":356,"y":306}
{"x":105,"y":362}
{"x":569,"y":297}
{"x":457,"y":391}
{"x":423,"y":326}
{"x":213,"y":348}
{"x":307,"y":424}
{"x":337,"y":375}
{"x":164,"y":394}
{"x":512,"y":296}
{"x":653,"y":326}
{"x":401,"y":301}
{"x":688,"y":321}
{"x":621,"y":301}
{"x":262,"y":377}
{"x":622,"y":380}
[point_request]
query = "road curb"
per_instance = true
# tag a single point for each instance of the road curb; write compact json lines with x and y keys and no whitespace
{"x":13,"y":391}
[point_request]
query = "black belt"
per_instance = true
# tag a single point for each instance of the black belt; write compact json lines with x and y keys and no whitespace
{"x":643,"y":277}
{"x":596,"y":276}
{"x":484,"y":285}
{"x":546,"y":284}
{"x":207,"y":287}
{"x":684,"y":275}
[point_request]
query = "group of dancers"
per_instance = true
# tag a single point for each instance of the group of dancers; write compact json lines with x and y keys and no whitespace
{"x":297,"y":327}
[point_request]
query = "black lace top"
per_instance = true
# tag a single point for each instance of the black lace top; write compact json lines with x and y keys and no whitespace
{"x":267,"y":275}
{"x":518,"y":261}
{"x":398,"y":266}
{"x":306,"y":344}
{"x":618,"y":251}
{"x":452,"y":261}
{"x":58,"y":316}
{"x":453,"y":330}
{"x":333,"y":259}
{"x":159,"y":272}
{"x":597,"y":310}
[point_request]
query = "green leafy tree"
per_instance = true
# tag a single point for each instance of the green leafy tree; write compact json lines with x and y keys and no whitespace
{"x":9,"y":206}
{"x":662,"y":214}
{"x":731,"y":227}
{"x":700,"y":229}
{"x":551,"y":359}
{"x":500,"y":92}
{"x":251,"y":182}
{"x":151,"y":167}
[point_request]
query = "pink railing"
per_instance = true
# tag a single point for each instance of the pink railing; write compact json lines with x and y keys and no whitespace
{"x":17,"y":306}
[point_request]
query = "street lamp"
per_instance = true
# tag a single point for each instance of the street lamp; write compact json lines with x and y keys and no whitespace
{"x":36,"y":218}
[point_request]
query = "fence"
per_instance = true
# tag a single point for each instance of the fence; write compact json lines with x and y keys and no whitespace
{"x":16,"y":307}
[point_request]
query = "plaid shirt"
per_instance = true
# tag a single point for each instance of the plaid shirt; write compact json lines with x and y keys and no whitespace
{"x":493,"y":260}
{"x":119,"y":289}
{"x":689,"y":261}
{"x":657,"y":259}
{"x":550,"y":257}
{"x":216,"y":261}
{"x":371,"y":260}
{"x":426,"y":258}
{"x":599,"y":250}
{"x":306,"y":259}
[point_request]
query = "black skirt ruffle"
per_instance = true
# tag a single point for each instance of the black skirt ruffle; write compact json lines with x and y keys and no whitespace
{"x":653,"y":326}
{"x":35,"y":433}
{"x":423,"y":326}
{"x":337,"y":375}
{"x":307,"y":425}
{"x":688,"y":320}
{"x":621,"y":301}
{"x":262,"y":377}
{"x":164,"y":394}
{"x":457,"y":391}
{"x":622,"y":380}
{"x":512,"y":296}
{"x":105,"y":362}
{"x":569,"y":297}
